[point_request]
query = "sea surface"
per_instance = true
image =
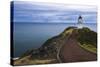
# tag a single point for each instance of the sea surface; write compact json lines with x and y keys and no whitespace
{"x":33,"y":35}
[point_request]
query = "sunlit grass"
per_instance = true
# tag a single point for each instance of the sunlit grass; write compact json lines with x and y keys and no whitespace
{"x":42,"y":61}
{"x":89,"y":48}
{"x":27,"y":61}
{"x":68,"y":32}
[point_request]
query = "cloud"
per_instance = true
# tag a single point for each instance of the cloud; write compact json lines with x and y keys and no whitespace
{"x":52,"y":13}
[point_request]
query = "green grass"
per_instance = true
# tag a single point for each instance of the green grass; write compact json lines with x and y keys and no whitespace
{"x":89,"y":48}
{"x":27,"y":61}
{"x":67,"y":32}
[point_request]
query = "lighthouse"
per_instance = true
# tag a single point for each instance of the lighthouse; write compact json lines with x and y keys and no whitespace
{"x":80,"y":22}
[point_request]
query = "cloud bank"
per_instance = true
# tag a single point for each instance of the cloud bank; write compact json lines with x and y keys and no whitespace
{"x":35,"y":12}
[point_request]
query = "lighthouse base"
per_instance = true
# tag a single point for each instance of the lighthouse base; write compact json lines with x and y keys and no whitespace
{"x":80,"y":25}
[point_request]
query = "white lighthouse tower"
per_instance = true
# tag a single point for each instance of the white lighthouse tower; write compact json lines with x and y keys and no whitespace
{"x":80,"y":22}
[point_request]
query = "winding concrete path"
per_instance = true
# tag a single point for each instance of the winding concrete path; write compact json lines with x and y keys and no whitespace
{"x":60,"y":48}
{"x":72,"y":52}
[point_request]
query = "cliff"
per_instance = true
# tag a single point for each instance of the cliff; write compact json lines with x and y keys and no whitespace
{"x":54,"y":50}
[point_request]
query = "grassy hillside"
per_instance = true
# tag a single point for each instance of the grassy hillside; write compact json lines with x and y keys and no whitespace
{"x":48,"y":52}
{"x":88,"y":39}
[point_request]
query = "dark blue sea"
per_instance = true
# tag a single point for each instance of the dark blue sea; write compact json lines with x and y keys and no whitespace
{"x":33,"y":35}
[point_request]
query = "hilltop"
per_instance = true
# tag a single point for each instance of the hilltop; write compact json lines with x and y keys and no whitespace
{"x":68,"y":46}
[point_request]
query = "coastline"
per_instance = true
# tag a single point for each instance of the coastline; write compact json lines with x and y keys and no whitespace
{"x":15,"y":58}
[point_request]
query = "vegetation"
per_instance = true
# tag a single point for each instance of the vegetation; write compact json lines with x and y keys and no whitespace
{"x":89,"y":47}
{"x":47,"y":53}
{"x":88,"y":39}
{"x":28,"y":52}
{"x":27,"y":61}
{"x":86,"y":36}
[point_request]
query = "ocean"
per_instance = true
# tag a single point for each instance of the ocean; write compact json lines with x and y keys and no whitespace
{"x":33,"y":35}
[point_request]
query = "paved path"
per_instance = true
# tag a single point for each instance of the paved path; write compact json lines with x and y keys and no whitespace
{"x":72,"y":52}
{"x":60,"y":48}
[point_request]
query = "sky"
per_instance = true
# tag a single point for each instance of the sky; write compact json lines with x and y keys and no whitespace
{"x":39,"y":12}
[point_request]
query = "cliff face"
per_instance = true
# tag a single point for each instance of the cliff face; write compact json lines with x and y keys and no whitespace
{"x":52,"y":50}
